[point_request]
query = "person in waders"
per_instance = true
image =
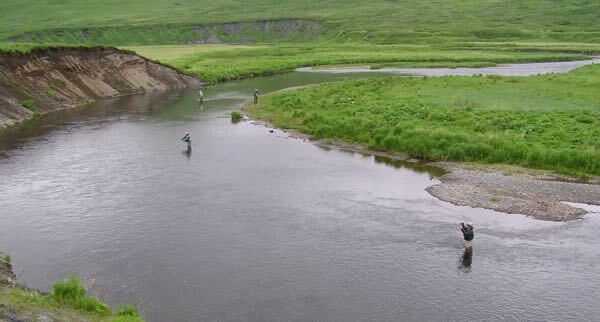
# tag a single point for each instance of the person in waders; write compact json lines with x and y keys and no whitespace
{"x":255,"y":96}
{"x":201,"y":96}
{"x":468,"y":234}
{"x":186,"y":138}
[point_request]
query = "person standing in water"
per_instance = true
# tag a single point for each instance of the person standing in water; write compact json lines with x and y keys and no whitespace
{"x":468,"y":234}
{"x":200,"y":96}
{"x":186,"y":138}
{"x":255,"y":96}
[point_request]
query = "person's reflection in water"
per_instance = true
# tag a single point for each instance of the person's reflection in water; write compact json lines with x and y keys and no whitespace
{"x":187,"y":153}
{"x":467,"y":259}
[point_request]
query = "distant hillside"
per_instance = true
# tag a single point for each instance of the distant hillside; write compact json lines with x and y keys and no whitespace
{"x":117,"y":22}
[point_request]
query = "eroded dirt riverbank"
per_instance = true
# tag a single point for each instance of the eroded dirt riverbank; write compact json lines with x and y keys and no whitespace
{"x":47,"y":80}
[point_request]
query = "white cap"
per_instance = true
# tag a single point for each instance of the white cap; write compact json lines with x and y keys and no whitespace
{"x":470,"y":223}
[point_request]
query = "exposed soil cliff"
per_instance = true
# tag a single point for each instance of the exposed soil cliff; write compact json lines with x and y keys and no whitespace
{"x":45,"y":80}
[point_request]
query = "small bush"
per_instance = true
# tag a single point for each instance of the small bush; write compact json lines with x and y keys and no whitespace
{"x":5,"y":260}
{"x":59,"y":82}
{"x":128,"y":310}
{"x":29,"y":104}
{"x":86,"y":101}
{"x":236,"y":116}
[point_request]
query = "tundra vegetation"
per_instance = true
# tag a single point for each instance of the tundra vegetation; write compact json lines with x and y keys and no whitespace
{"x":547,"y":122}
{"x":381,"y":33}
{"x":215,"y":63}
{"x":159,"y":22}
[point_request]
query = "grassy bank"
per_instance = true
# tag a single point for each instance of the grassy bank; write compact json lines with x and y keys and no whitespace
{"x":68,"y":301}
{"x":25,"y":48}
{"x":546,"y":122}
{"x":215,"y":63}
{"x":22,"y":48}
{"x":113,"y":22}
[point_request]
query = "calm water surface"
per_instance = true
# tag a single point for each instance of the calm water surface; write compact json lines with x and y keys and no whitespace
{"x":257,"y":226}
{"x":521,"y":69}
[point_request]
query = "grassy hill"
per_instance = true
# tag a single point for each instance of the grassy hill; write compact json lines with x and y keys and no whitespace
{"x":143,"y":22}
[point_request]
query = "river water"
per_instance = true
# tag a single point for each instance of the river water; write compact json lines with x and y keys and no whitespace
{"x":527,"y":69}
{"x":257,"y":226}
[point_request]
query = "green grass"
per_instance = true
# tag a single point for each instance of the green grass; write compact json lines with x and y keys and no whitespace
{"x":29,"y":104}
{"x":72,"y":292}
{"x":17,"y":47}
{"x":116,"y":22}
{"x":236,"y":116}
{"x":215,"y":63}
{"x":549,"y":122}
{"x":25,"y":48}
{"x":68,"y":302}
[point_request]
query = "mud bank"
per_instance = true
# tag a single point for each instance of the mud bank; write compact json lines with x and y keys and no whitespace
{"x":47,"y":80}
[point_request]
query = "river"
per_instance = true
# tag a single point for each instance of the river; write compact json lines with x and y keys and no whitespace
{"x":257,"y":226}
{"x":522,"y":69}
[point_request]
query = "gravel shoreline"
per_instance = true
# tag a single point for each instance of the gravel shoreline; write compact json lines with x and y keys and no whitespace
{"x":541,"y":196}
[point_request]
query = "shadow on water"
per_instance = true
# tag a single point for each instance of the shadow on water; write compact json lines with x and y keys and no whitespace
{"x":418,"y":167}
{"x":415,"y":166}
{"x":187,"y":153}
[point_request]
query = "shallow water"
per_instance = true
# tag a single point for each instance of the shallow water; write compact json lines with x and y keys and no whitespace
{"x":526,"y":69}
{"x":257,"y":226}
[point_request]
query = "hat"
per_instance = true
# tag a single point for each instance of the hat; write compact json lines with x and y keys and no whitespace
{"x":470,"y":223}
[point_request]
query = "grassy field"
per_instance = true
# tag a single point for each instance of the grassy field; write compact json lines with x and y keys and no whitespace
{"x":547,"y":122}
{"x":114,"y":22}
{"x":222,"y":62}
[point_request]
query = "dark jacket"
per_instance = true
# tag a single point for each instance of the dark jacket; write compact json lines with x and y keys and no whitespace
{"x":467,"y":231}
{"x":186,"y":138}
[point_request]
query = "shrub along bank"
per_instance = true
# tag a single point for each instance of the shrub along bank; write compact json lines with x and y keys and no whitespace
{"x":547,"y":122}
